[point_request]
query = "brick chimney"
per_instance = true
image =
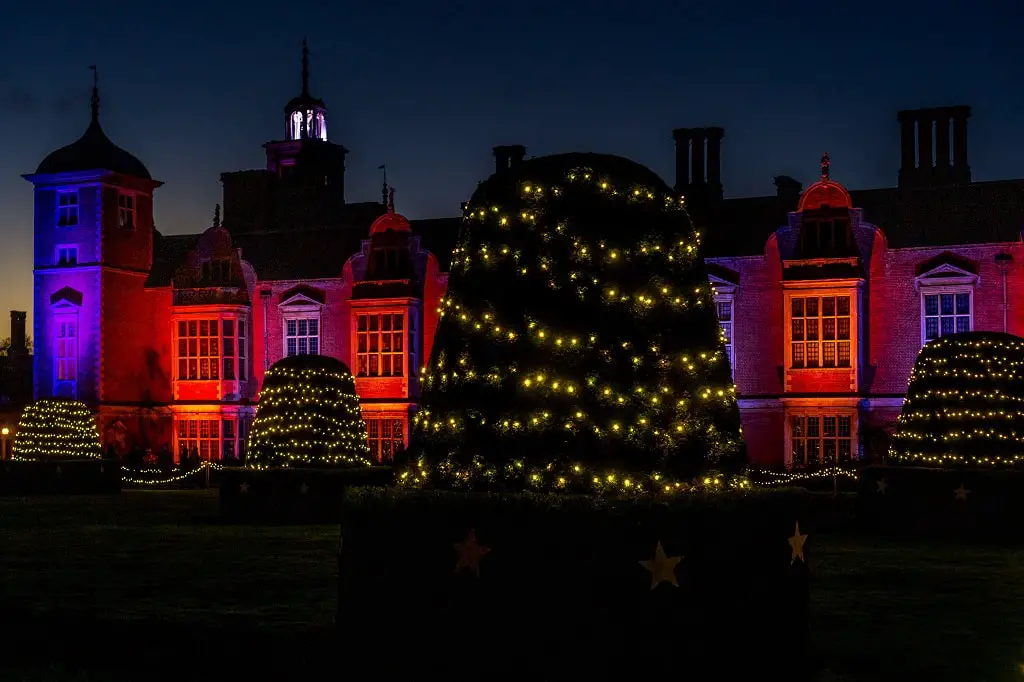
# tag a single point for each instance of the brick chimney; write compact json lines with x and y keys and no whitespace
{"x":508,"y":156}
{"x":699,"y":162}
{"x":925,"y":147}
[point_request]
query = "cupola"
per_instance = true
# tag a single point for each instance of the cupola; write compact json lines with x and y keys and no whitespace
{"x":305,"y":115}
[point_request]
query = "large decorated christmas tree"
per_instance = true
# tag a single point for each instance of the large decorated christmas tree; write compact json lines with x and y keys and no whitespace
{"x":308,"y":415}
{"x":965,"y":403}
{"x":578,"y":347}
{"x":57,"y":428}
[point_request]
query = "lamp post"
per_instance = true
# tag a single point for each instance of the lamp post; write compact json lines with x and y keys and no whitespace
{"x":4,"y":432}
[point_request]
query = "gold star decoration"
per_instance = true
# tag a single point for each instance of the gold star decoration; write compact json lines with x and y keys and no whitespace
{"x":470,"y":554}
{"x":961,"y":493}
{"x":102,"y":469}
{"x":797,"y":544}
{"x":243,"y":488}
{"x":662,"y":567}
{"x":303,"y":489}
{"x":882,"y":485}
{"x":59,"y":472}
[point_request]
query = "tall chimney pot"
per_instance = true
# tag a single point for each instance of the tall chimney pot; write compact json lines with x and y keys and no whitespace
{"x":714,"y":137}
{"x":682,"y":138}
{"x":508,"y":156}
{"x":697,"y":177}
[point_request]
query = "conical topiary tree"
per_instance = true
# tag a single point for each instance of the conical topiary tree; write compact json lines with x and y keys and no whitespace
{"x":56,"y":427}
{"x":578,"y":346}
{"x":308,"y":415}
{"x":965,"y":403}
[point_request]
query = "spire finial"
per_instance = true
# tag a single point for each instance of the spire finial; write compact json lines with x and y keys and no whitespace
{"x":95,"y":94}
{"x":391,"y":200}
{"x":216,"y":216}
{"x":826,"y":163}
{"x":384,"y":188}
{"x":305,"y":68}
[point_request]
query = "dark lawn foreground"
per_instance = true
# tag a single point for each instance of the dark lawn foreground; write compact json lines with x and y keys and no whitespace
{"x":264,"y":598}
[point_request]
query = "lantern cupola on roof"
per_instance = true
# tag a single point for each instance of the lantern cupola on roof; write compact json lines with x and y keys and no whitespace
{"x":305,"y":115}
{"x":826,"y":193}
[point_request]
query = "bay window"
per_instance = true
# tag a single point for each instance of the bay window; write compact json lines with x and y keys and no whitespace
{"x":210,"y":349}
{"x":380,"y":344}
{"x":820,"y":331}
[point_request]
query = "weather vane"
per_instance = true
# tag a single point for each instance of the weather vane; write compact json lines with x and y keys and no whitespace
{"x":825,"y":164}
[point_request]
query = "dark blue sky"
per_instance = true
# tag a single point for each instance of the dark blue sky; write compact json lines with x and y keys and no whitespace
{"x":194,"y":89}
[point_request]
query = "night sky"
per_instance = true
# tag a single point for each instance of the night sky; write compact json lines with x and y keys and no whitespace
{"x":194,"y":91}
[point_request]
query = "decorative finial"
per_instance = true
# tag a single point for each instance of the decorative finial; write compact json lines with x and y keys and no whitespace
{"x":305,"y":68}
{"x":216,"y":216}
{"x":825,"y":164}
{"x":95,"y":94}
{"x":384,"y":188}
{"x":391,"y":200}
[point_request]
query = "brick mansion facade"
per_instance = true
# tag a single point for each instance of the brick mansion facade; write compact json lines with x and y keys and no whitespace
{"x":825,"y":295}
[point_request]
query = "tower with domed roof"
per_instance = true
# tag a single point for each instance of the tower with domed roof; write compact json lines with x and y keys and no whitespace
{"x":93,"y":250}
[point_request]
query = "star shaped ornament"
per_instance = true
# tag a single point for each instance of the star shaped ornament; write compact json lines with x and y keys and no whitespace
{"x":662,"y":567}
{"x":797,"y":544}
{"x":303,"y":489}
{"x":470,"y":553}
{"x":882,"y":485}
{"x":243,"y":488}
{"x":961,"y":493}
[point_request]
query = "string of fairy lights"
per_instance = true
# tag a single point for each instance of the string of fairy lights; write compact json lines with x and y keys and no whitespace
{"x":308,"y":415}
{"x":680,"y":395}
{"x":963,"y":404}
{"x":56,"y":428}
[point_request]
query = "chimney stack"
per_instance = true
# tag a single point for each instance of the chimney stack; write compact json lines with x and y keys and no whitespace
{"x":699,"y":162}
{"x":788,"y":190}
{"x":925,"y":147}
{"x":18,"y":348}
{"x":508,"y":156}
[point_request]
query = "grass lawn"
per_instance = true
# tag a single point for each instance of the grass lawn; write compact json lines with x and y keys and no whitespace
{"x":881,"y":611}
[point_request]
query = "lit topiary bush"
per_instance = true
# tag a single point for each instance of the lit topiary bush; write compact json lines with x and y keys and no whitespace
{"x":308,"y":415}
{"x":55,"y":427}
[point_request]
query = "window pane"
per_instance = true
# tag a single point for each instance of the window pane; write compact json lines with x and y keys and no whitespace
{"x":963,"y":324}
{"x":798,"y":307}
{"x":812,"y":354}
{"x":828,"y":328}
{"x":798,"y":330}
{"x":947,"y":325}
{"x":314,"y":346}
{"x":812,"y":330}
{"x":314,"y":326}
{"x":946,"y":304}
{"x":844,"y":354}
{"x":228,"y":327}
{"x":843,"y":305}
{"x":828,"y":306}
{"x":290,"y":327}
{"x":844,"y":328}
{"x":963,"y":304}
{"x":931,"y":305}
{"x":844,"y":427}
{"x":931,"y":328}
{"x":303,"y":325}
{"x":811,"y":307}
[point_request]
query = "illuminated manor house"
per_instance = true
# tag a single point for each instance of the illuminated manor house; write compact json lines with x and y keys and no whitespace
{"x":825,"y":296}
{"x":169,"y":337}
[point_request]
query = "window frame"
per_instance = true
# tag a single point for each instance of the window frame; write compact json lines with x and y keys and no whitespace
{"x":297,"y":316}
{"x":821,"y":413}
{"x":215,"y":360}
{"x":406,"y":354}
{"x":376,"y":440}
{"x":726,"y":294}
{"x":225,"y":422}
{"x":125,"y":210}
{"x":66,"y":263}
{"x":61,"y":358}
{"x":939,"y":290}
{"x":71,"y":208}
{"x":820,"y":341}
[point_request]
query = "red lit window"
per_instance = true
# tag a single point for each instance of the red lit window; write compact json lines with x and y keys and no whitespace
{"x":207,"y":350}
{"x":380,"y":344}
{"x":212,"y":439}
{"x":820,"y":440}
{"x":820,"y":331}
{"x":386,"y":437}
